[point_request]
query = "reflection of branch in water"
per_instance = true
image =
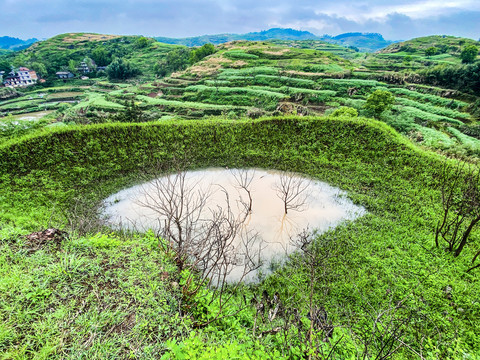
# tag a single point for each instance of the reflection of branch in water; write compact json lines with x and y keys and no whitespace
{"x":288,"y":228}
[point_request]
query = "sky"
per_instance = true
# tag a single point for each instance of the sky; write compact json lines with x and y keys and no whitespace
{"x":394,"y":19}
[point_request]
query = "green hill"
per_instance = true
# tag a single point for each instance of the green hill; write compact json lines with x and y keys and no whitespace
{"x":276,"y":33}
{"x":251,"y":79}
{"x":446,"y":46}
{"x":57,"y":52}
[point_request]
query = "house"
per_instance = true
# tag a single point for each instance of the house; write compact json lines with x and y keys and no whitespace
{"x":22,"y":77}
{"x":86,"y":67}
{"x":64,"y":74}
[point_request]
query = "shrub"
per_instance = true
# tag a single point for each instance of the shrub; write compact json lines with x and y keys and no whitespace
{"x":239,"y":54}
{"x":345,"y":111}
{"x":121,"y":70}
{"x":379,"y":101}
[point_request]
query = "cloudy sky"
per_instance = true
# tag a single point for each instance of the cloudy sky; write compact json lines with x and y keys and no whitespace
{"x":395,"y":19}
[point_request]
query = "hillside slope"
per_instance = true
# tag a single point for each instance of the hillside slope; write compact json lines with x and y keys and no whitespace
{"x":445,"y":45}
{"x":57,"y":52}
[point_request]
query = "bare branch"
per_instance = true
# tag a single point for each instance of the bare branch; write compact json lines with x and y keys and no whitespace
{"x":291,"y":189}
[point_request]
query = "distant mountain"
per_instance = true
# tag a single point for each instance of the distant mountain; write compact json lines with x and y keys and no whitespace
{"x":365,"y":42}
{"x":276,"y":33}
{"x":11,"y":43}
{"x":368,"y":42}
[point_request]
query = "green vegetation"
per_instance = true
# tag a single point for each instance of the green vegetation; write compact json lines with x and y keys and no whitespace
{"x":91,"y":295}
{"x":379,"y":101}
{"x":121,"y":70}
{"x":98,"y":293}
{"x":469,"y":54}
{"x":56,"y":53}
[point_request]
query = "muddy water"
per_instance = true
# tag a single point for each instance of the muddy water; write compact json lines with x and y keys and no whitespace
{"x":318,"y":206}
{"x":32,"y":116}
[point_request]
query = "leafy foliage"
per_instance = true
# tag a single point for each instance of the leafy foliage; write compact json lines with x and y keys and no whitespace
{"x":379,"y":101}
{"x":469,"y":54}
{"x":121,"y":70}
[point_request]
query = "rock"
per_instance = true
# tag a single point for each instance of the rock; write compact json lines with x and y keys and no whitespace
{"x":40,"y":239}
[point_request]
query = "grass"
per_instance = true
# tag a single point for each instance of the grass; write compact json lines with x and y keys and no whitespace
{"x":387,"y":256}
{"x":424,"y":115}
{"x":113,"y":293}
{"x":468,"y":141}
{"x":434,"y":99}
{"x":437,"y":110}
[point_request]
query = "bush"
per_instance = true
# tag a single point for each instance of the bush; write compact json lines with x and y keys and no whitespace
{"x":345,"y":111}
{"x":121,"y":70}
{"x":379,"y":101}
{"x":239,"y":54}
{"x":469,"y":54}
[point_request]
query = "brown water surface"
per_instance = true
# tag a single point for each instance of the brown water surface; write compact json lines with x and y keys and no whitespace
{"x":321,"y":207}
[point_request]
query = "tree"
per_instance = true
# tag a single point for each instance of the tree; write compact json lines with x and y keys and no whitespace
{"x":207,"y":242}
{"x":121,"y":70}
{"x":141,"y":42}
{"x":432,"y":50}
{"x":39,"y":68}
{"x":291,"y":189}
{"x":379,"y":101}
{"x":5,"y":66}
{"x":469,"y":54}
{"x":176,"y":60}
{"x":460,"y":191}
{"x":101,"y":56}
{"x":201,"y":52}
{"x":72,"y":66}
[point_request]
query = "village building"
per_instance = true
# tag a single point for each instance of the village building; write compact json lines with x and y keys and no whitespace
{"x":87,"y":66}
{"x":64,"y":75}
{"x":22,"y":77}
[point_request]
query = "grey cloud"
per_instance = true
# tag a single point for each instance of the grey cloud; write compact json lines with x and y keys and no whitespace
{"x":196,"y":17}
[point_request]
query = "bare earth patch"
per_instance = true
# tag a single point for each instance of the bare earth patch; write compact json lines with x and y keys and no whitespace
{"x":88,"y":37}
{"x":303,"y":73}
{"x":239,"y":64}
{"x":209,"y":66}
{"x":279,"y":52}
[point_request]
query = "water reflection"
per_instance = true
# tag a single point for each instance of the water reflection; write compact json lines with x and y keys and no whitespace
{"x":258,"y":198}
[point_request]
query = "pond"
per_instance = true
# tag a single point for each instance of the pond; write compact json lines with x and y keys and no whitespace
{"x":32,"y":116}
{"x":268,"y":209}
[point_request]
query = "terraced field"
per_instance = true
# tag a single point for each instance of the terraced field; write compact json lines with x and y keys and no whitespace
{"x":261,"y":79}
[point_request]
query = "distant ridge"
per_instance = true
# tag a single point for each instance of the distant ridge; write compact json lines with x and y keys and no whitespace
{"x":368,"y":42}
{"x":11,"y":43}
{"x":275,"y":33}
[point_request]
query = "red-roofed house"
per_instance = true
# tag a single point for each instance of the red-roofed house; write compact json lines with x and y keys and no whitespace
{"x":23,"y":77}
